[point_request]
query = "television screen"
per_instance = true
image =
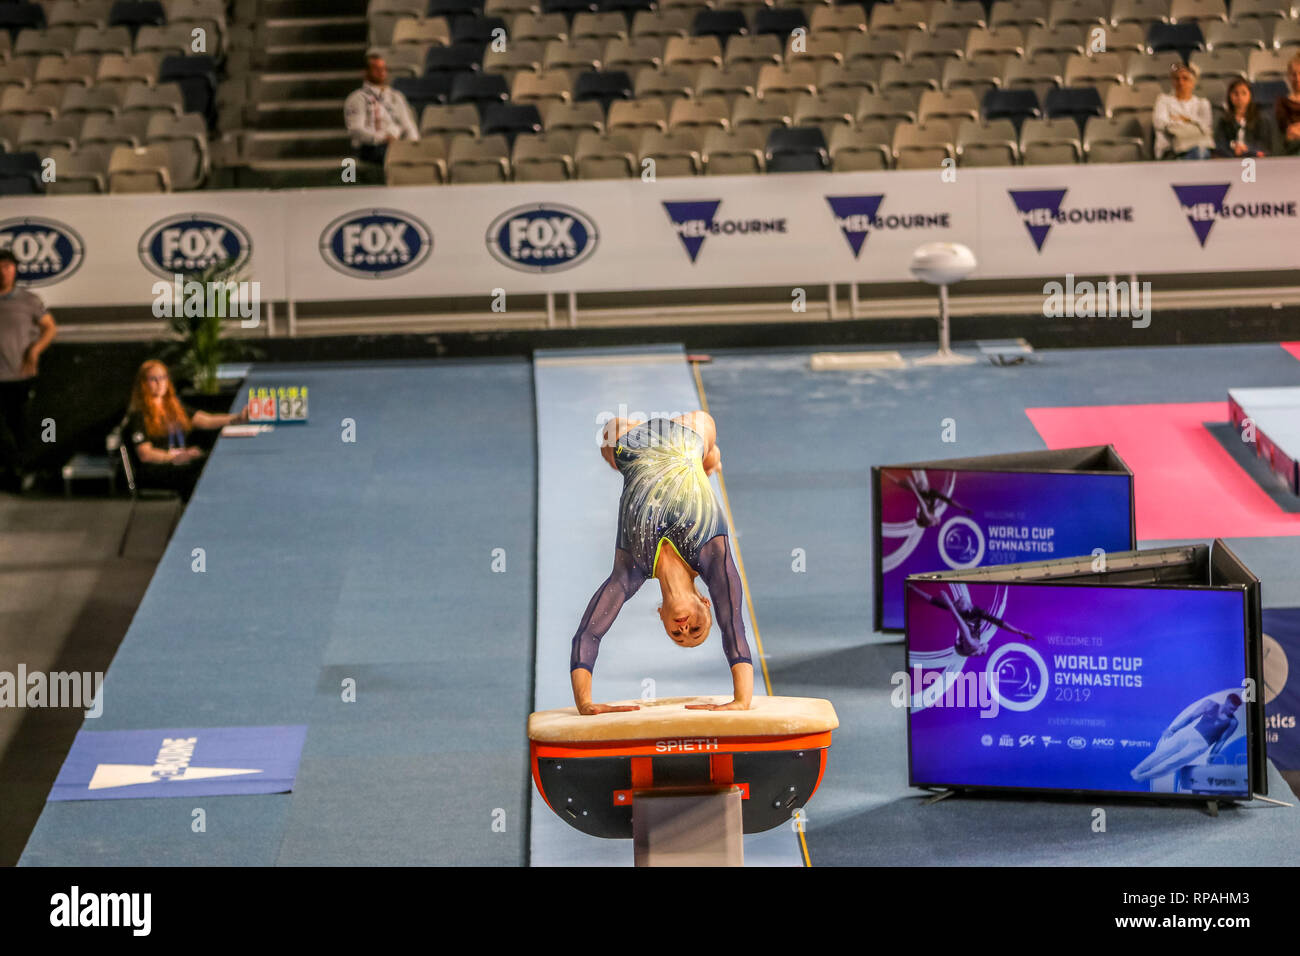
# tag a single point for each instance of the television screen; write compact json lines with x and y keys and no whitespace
{"x":1071,"y":687}
{"x":933,"y":520}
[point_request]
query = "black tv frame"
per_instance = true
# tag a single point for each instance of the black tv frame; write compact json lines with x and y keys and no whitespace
{"x":1164,"y":568}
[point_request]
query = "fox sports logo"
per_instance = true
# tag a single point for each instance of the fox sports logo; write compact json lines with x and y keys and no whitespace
{"x":193,"y":242}
{"x":46,"y":251}
{"x":376,"y":243}
{"x":543,"y":237}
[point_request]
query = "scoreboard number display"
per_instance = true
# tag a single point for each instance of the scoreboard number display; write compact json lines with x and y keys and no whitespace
{"x":278,"y":403}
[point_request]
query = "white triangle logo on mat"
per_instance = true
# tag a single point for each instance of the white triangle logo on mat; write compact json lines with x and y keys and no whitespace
{"x":128,"y":774}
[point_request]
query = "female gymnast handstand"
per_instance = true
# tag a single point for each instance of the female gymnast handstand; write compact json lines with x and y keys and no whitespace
{"x":670,"y":527}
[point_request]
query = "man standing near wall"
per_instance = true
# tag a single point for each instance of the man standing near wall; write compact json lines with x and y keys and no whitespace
{"x":26,"y":330}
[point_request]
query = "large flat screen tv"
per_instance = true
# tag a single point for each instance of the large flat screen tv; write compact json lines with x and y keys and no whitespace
{"x":1136,"y":674}
{"x":994,"y":509}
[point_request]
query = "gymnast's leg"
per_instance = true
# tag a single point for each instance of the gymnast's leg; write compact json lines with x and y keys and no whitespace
{"x":702,"y":423}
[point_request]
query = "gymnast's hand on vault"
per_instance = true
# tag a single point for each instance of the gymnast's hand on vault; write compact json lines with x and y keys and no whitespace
{"x":588,"y":709}
{"x":730,"y":705}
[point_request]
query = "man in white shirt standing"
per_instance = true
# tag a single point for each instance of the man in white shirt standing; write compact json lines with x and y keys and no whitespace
{"x":377,"y":114}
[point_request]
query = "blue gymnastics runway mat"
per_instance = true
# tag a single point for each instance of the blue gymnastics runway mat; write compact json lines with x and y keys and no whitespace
{"x":577,"y":511}
{"x":333,"y":564}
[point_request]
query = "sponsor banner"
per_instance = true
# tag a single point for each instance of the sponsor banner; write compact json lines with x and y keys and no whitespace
{"x":112,"y":250}
{"x":939,"y":520}
{"x":1281,"y":692}
{"x":1069,"y":687}
{"x":676,"y":233}
{"x":188,"y":762}
{"x":1136,"y":217}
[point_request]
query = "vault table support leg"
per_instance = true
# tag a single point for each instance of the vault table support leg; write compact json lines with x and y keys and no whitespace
{"x":700,"y":827}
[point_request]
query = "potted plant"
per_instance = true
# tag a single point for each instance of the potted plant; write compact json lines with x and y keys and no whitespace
{"x":199,"y":345}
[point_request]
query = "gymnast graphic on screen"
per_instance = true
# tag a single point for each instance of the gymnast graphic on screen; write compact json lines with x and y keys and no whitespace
{"x":927,"y":515}
{"x":1185,"y":742}
{"x":670,"y":527}
{"x":972,"y":621}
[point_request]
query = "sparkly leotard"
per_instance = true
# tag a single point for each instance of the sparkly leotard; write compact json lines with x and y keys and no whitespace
{"x":666,"y":495}
{"x":667,"y":501}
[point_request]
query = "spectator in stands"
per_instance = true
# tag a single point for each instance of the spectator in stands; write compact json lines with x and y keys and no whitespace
{"x":1242,"y":130}
{"x":157,"y":427}
{"x":26,"y":330}
{"x":1288,"y":111}
{"x":377,"y":114}
{"x":1183,"y":121}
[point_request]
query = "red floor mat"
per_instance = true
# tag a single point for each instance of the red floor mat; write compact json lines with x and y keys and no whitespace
{"x":1186,"y":485}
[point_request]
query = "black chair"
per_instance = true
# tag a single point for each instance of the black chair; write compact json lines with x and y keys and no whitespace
{"x":116,"y":446}
{"x":570,"y":7}
{"x":21,"y":173}
{"x":720,"y":23}
{"x":511,"y":119}
{"x":797,"y":149}
{"x":1016,"y":105}
{"x":1265,"y":93}
{"x":629,"y":8}
{"x":21,"y":16}
{"x":604,"y":87}
{"x":422,"y":91}
{"x":1080,"y":103}
{"x":779,"y":20}
{"x":1184,"y":38}
{"x":134,"y":14}
{"x":451,"y":59}
{"x":455,"y":8}
{"x":481,"y":89}
{"x":476,"y":31}
{"x":197,"y":77}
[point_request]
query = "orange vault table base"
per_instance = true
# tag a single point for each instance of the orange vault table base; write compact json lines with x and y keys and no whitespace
{"x":683,"y":783}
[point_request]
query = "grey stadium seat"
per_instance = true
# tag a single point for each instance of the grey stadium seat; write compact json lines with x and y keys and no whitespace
{"x":485,"y":160}
{"x":546,"y":158}
{"x":987,"y":144}
{"x":419,"y":162}
{"x":861,"y":148}
{"x":735,"y":152}
{"x":1049,"y":142}
{"x":142,"y":169}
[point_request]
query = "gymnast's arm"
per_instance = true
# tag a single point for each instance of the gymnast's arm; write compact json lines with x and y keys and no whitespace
{"x":998,"y":622}
{"x":623,"y":581}
{"x":718,"y":569}
{"x":940,"y":600}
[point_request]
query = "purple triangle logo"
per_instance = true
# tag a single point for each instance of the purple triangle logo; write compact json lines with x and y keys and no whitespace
{"x":1201,"y":203}
{"x":693,"y":220}
{"x":854,"y":215}
{"x":1039,"y":209}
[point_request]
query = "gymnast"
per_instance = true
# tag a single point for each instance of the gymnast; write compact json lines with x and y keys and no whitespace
{"x":670,"y":527}
{"x":918,"y":483}
{"x":971,"y":621}
{"x":1185,"y":742}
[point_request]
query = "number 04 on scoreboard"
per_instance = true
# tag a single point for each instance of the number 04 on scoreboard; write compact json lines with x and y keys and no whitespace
{"x":281,"y":403}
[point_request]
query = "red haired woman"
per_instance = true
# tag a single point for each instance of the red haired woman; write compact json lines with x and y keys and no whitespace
{"x":158,"y":427}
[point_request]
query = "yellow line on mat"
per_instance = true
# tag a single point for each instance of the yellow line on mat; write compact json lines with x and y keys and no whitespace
{"x":740,"y":566}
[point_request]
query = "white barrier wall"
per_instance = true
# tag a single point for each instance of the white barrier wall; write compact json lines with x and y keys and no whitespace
{"x":797,"y":229}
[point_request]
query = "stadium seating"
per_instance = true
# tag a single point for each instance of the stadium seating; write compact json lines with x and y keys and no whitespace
{"x":558,"y":89}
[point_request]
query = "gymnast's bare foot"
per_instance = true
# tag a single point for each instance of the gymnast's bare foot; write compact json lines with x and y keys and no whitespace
{"x":588,"y":709}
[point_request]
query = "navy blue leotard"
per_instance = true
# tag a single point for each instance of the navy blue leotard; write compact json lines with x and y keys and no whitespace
{"x":667,"y":501}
